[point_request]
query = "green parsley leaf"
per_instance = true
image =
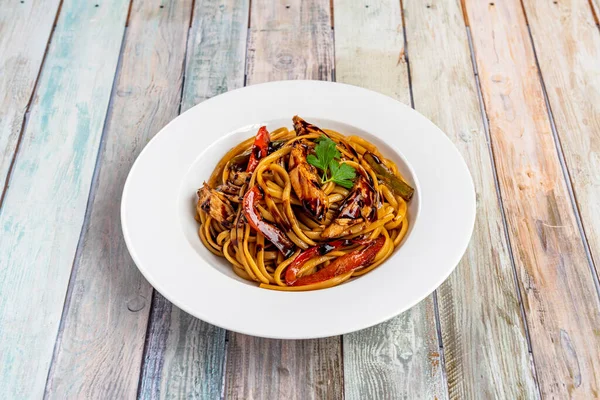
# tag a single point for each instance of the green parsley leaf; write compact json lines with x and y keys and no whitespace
{"x":312,"y":160}
{"x":325,"y":158}
{"x":342,"y":174}
{"x":325,"y":151}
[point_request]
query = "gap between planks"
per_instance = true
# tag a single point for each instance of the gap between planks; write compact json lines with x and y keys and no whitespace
{"x":28,"y":106}
{"x":486,"y":129}
{"x":412,"y":105}
{"x":561,"y":159}
{"x":143,"y":364}
{"x":86,"y":219}
{"x":560,"y":154}
{"x":499,"y":196}
{"x":436,"y":309}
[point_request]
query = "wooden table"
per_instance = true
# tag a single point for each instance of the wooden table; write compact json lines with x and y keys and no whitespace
{"x":515,"y":85}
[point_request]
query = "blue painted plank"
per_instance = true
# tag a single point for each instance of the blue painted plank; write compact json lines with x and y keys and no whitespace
{"x":25,"y":28}
{"x":100,"y":348}
{"x":44,"y":208}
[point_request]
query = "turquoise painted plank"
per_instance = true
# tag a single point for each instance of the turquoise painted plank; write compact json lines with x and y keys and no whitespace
{"x":25,"y":28}
{"x":100,"y":348}
{"x":44,"y":208}
{"x":185,"y":356}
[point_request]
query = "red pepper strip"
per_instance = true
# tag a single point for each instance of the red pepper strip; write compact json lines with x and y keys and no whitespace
{"x":346,"y":263}
{"x":269,"y":231}
{"x":320,"y":250}
{"x":260,"y":148}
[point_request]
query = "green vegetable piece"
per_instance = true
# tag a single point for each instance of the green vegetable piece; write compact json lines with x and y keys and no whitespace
{"x":397,"y":185}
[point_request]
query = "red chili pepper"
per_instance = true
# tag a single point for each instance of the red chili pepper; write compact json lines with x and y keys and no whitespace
{"x":320,"y":250}
{"x":271,"y":232}
{"x":346,"y":263}
{"x":260,"y":148}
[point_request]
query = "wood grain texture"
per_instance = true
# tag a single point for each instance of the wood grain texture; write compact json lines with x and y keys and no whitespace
{"x":369,"y":47}
{"x":485,"y":345}
{"x":567,"y":44}
{"x":595,"y":6}
{"x":401,"y":357}
{"x":44,"y":208}
{"x":283,"y":369}
{"x":560,"y":300}
{"x":24,"y":32}
{"x":185,"y":356}
{"x":398,"y":359}
{"x":286,"y":43}
{"x":290,"y":40}
{"x":100,"y":348}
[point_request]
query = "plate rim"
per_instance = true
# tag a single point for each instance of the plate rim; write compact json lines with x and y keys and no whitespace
{"x":469,"y":225}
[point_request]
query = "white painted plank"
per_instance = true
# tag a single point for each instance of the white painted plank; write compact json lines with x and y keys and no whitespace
{"x":560,"y":301}
{"x":25,"y":28}
{"x":567,"y":44}
{"x":99,"y":353}
{"x":185,"y":356}
{"x":401,"y":357}
{"x":485,"y":345}
{"x":44,"y":208}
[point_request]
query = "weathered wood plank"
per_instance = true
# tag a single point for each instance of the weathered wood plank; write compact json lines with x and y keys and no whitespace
{"x":369,"y":47}
{"x":567,"y":44}
{"x":485,"y":345}
{"x":401,"y":357}
{"x":24,"y":32}
{"x":288,"y":40}
{"x":283,"y":369}
{"x":99,"y":353}
{"x":398,"y":359}
{"x":44,"y":208}
{"x":560,"y":300}
{"x":185,"y":356}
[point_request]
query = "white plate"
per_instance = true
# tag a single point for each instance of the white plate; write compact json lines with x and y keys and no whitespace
{"x":158,"y":204}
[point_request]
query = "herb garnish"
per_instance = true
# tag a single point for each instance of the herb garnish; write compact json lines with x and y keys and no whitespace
{"x":327,"y":160}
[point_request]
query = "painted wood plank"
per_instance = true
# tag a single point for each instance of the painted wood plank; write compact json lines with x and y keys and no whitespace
{"x":185,"y":356}
{"x":485,"y":345}
{"x":25,"y":28}
{"x":398,"y":359}
{"x":288,"y":40}
{"x":369,"y":47}
{"x":283,"y":369}
{"x":559,"y":297}
{"x":44,"y":208}
{"x":401,"y":357}
{"x":567,"y":44}
{"x":100,"y":349}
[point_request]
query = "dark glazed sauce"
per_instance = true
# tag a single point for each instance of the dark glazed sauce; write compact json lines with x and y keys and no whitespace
{"x":325,"y":248}
{"x":362,"y":197}
{"x":328,"y":247}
